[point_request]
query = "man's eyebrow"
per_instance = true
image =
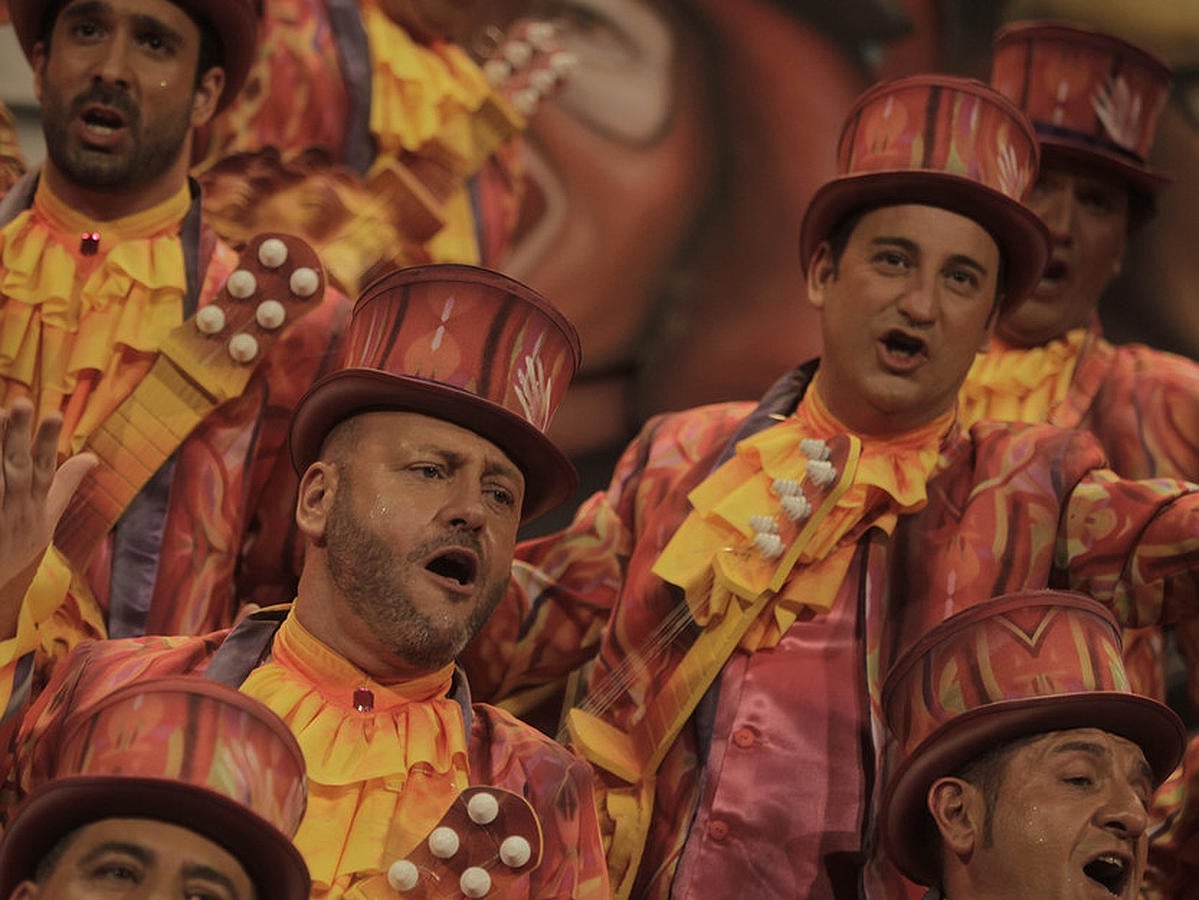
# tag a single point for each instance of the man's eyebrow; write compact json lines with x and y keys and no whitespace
{"x":137,"y":851}
{"x":208,"y":873}
{"x":903,"y":243}
{"x":502,"y":467}
{"x":1144,"y":770}
{"x":142,"y":22}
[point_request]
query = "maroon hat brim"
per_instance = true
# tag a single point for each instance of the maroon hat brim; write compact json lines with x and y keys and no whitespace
{"x":549,"y":476}
{"x":1022,"y":238}
{"x":1056,"y":149}
{"x":235,"y":21}
{"x":63,"y":805}
{"x":1150,"y":725}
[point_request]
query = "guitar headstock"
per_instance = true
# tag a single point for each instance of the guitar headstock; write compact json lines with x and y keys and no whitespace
{"x":278,"y":278}
{"x":528,"y":64}
{"x":487,"y":839}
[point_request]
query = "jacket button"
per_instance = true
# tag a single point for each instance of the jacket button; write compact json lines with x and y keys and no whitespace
{"x":718,"y":829}
{"x":744,"y":738}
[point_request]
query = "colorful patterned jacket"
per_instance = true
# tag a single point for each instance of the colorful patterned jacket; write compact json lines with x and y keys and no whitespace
{"x":502,"y":752}
{"x":214,"y":527}
{"x":1009,"y":507}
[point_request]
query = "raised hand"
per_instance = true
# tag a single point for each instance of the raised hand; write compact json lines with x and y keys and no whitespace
{"x":34,"y":491}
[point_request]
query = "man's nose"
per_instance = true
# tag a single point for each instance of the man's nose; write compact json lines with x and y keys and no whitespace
{"x":1056,"y":209}
{"x":113,"y":65}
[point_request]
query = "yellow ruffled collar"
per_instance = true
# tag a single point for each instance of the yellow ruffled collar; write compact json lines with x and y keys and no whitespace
{"x":86,"y":328}
{"x":378,"y":780}
{"x":783,"y":515}
{"x":1020,"y":384}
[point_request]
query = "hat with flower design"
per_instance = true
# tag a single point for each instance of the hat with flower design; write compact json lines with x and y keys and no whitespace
{"x":459,"y":343}
{"x":183,"y":750}
{"x":235,"y":23}
{"x":938,"y":140}
{"x":1011,"y":667}
{"x":1092,"y":97}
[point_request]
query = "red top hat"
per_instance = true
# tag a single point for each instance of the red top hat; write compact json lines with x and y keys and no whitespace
{"x":235,"y":22}
{"x":184,"y":750}
{"x":937,"y":140}
{"x":1092,"y":97}
{"x":458,"y":343}
{"x":1018,"y":665}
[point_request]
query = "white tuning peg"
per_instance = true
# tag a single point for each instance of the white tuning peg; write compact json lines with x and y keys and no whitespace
{"x":403,"y":875}
{"x":270,"y":314}
{"x":272,"y":253}
{"x":515,"y":851}
{"x":210,"y":320}
{"x":821,"y":472}
{"x":243,"y":347}
{"x":483,"y":808}
{"x":241,"y":284}
{"x":443,"y":842}
{"x":474,"y":882}
{"x":771,"y":545}
{"x":814,"y":448}
{"x":796,"y":507}
{"x":304,"y":282}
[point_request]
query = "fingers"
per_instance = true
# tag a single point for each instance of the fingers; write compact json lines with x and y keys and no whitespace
{"x":65,"y":482}
{"x":16,"y":463}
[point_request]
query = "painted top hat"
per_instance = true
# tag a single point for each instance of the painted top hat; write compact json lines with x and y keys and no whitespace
{"x":937,"y":140}
{"x":1092,"y":97}
{"x":1012,"y":667}
{"x":459,"y":343}
{"x":184,"y":750}
{"x":234,"y":21}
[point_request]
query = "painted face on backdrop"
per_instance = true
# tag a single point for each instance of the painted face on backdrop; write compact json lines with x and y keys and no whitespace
{"x":117,"y":84}
{"x":1086,"y":212}
{"x":1069,"y":821}
{"x":618,"y":168}
{"x":133,"y":858}
{"x":902,"y":315}
{"x":420,"y":536}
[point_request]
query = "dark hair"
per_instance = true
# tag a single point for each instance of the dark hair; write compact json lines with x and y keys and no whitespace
{"x":986,"y":772}
{"x":212,"y":48}
{"x":48,"y":863}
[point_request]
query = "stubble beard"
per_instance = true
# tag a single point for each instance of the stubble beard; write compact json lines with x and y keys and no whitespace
{"x":150,"y":155}
{"x":366,"y":571}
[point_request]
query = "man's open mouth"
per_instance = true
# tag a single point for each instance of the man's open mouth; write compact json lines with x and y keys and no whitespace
{"x":1110,"y":871}
{"x":457,"y":565}
{"x":1056,"y":271}
{"x":903,"y":344}
{"x":103,"y":120}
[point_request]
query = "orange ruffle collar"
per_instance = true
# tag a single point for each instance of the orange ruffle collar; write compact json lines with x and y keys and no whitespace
{"x":783,"y":516}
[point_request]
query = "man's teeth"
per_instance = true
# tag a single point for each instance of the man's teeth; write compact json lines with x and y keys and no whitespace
{"x":100,"y":129}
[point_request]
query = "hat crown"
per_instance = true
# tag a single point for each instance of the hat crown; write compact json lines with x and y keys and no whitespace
{"x":1039,"y":644}
{"x":193,"y":732}
{"x":1083,"y":89}
{"x":940,"y":124}
{"x":467,"y":328}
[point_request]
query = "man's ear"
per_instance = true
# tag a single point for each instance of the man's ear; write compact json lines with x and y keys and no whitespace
{"x":26,"y":890}
{"x":318,"y":487}
{"x":208,"y":94}
{"x":959,"y":811}
{"x":822,"y":270}
{"x":37,"y":60}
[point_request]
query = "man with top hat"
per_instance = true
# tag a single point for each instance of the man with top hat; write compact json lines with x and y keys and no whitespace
{"x":419,"y":457}
{"x":743,"y":582}
{"x":170,"y":358}
{"x":1095,"y":100}
{"x":1023,"y":763}
{"x":118,"y":811}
